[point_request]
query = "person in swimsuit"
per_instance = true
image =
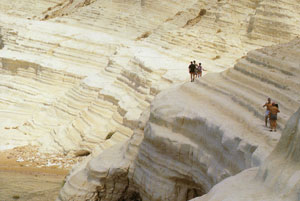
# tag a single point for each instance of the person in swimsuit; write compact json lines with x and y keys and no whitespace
{"x":196,"y":69}
{"x":267,"y":105}
{"x":200,"y":70}
{"x":273,"y":116}
{"x":192,"y":70}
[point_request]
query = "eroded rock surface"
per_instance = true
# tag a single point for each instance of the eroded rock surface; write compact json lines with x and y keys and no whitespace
{"x":199,"y":133}
{"x":277,"y":179}
{"x":77,"y":74}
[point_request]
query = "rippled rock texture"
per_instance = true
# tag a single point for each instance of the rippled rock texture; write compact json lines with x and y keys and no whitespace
{"x":276,"y":179}
{"x":198,"y":133}
{"x":77,"y":74}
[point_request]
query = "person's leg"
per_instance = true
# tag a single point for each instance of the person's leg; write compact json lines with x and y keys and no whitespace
{"x":275,"y":125}
{"x":271,"y":124}
{"x":266,"y":120}
{"x":191,"y":77}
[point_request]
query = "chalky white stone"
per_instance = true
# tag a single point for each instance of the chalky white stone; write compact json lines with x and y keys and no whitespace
{"x":77,"y":74}
{"x":276,"y":179}
{"x":200,"y":133}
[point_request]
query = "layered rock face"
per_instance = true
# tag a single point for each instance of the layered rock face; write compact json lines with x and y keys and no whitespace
{"x":199,"y":133}
{"x":277,"y":179}
{"x":77,"y":74}
{"x":73,"y":89}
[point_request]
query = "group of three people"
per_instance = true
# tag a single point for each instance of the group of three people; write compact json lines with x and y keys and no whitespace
{"x":271,"y":114}
{"x":195,"y":70}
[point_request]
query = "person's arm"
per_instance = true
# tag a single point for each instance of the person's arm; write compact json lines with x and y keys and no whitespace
{"x":265,"y":105}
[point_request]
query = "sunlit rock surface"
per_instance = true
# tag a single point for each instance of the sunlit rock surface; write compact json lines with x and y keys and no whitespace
{"x":77,"y":74}
{"x":277,"y":179}
{"x":199,"y":133}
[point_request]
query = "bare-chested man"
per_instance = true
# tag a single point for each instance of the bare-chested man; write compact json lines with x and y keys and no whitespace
{"x":267,"y":105}
{"x":273,"y":116}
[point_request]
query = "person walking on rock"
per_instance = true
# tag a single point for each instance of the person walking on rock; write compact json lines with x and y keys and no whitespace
{"x":267,"y":105}
{"x":273,"y":116}
{"x":196,"y":69}
{"x":200,"y":69}
{"x":192,"y":70}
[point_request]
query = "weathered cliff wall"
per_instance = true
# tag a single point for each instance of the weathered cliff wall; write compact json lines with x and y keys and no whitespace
{"x":197,"y":133}
{"x":277,"y":178}
{"x":76,"y":76}
{"x":64,"y":112}
{"x":104,"y":61}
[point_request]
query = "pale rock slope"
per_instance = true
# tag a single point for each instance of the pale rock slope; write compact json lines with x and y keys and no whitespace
{"x":26,"y":9}
{"x":198,"y":133}
{"x":278,"y":179}
{"x":77,"y":74}
{"x":67,"y":87}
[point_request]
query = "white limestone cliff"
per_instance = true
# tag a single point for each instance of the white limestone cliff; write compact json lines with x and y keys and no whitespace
{"x":198,"y":134}
{"x":77,"y":74}
{"x":79,"y":79}
{"x":278,"y":179}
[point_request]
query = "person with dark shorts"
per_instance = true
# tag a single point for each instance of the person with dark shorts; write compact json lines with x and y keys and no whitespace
{"x":192,"y":70}
{"x":273,"y":116}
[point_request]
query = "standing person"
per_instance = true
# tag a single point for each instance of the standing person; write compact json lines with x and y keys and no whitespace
{"x":267,"y":105}
{"x":196,"y":69}
{"x":273,"y":116}
{"x":200,"y":70}
{"x":192,"y":69}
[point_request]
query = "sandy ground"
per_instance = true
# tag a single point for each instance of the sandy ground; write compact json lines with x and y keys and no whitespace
{"x":27,"y":184}
{"x":25,"y":174}
{"x":28,"y":159}
{"x":9,"y":163}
